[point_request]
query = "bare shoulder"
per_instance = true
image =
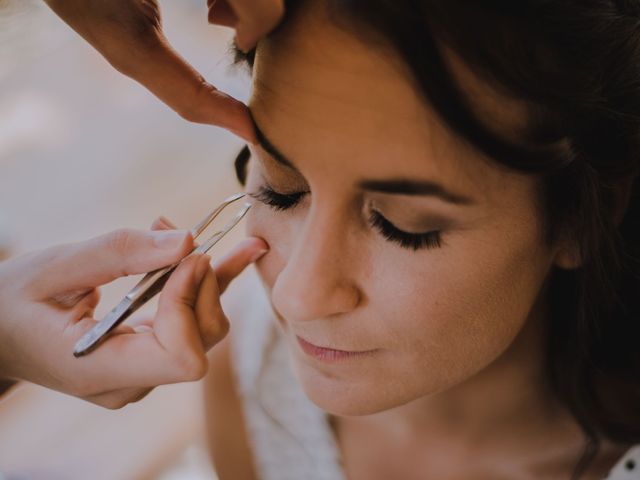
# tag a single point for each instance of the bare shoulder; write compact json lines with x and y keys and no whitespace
{"x":227,"y":439}
{"x":229,"y":445}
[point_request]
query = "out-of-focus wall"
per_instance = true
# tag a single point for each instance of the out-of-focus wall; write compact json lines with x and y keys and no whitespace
{"x":84,"y":150}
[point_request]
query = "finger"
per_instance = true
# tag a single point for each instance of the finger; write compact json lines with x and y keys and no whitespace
{"x":244,"y":253}
{"x":163,"y":223}
{"x":169,"y":77}
{"x":87,"y":298}
{"x":172,"y":352}
{"x":129,"y":35}
{"x":141,"y":323}
{"x":100,"y":260}
{"x":175,"y":324}
{"x":117,"y":399}
{"x":212,"y":322}
{"x":256,"y":18}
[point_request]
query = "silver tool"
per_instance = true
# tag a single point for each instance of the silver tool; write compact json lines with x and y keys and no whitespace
{"x":153,"y":282}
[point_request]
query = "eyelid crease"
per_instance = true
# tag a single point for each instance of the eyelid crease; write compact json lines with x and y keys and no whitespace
{"x":270,"y":168}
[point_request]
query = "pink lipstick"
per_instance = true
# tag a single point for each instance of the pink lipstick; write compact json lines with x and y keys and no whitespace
{"x":330,"y":354}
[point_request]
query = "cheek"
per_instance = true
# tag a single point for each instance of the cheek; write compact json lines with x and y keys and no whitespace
{"x":460,"y":312}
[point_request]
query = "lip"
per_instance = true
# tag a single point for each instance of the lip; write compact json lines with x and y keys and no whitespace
{"x":330,"y":355}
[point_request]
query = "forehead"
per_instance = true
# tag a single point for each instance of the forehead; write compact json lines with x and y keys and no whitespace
{"x":325,"y":96}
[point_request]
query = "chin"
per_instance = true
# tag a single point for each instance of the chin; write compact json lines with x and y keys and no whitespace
{"x":346,"y":397}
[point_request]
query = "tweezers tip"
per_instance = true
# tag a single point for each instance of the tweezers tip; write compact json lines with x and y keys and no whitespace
{"x":84,"y":345}
{"x":234,"y":197}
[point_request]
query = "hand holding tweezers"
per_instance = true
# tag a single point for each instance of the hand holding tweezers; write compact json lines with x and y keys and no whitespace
{"x":151,"y":284}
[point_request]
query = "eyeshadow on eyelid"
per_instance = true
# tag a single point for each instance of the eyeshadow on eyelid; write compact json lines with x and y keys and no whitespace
{"x":282,"y":179}
{"x":417,"y":225}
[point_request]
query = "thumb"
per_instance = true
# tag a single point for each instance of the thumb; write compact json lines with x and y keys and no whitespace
{"x":166,"y":74}
{"x":129,"y":35}
{"x":100,"y":260}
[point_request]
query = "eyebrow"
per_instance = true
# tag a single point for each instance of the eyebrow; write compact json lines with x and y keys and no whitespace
{"x":398,"y":186}
{"x":268,"y":147}
{"x":401,"y":186}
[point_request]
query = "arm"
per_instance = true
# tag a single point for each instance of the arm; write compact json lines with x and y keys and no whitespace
{"x":227,"y":438}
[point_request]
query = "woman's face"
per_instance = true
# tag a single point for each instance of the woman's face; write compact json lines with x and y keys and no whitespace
{"x":402,"y":263}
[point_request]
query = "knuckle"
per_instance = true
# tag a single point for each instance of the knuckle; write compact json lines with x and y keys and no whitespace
{"x":119,"y":240}
{"x":120,"y":243}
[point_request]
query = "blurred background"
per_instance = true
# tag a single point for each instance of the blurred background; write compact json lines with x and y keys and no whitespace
{"x":84,"y":150}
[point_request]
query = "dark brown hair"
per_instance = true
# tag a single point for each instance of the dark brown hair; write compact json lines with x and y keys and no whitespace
{"x":577,"y":65}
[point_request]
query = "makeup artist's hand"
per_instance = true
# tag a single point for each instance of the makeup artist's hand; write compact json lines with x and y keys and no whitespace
{"x":128,"y":33}
{"x":47,"y":300}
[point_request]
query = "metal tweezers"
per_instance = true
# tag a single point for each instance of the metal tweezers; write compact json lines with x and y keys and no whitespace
{"x":151,"y":284}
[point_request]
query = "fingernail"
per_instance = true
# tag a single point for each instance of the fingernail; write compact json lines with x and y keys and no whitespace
{"x":142,"y":329}
{"x":204,"y":262}
{"x":258,"y":255}
{"x":169,"y":239}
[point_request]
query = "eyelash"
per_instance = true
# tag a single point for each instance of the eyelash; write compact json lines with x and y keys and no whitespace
{"x":411,"y":241}
{"x":275,"y":200}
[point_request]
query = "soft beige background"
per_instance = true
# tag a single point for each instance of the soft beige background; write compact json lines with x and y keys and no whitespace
{"x":84,"y":150}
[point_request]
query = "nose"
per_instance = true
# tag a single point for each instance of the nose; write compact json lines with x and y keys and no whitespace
{"x":318,"y":280}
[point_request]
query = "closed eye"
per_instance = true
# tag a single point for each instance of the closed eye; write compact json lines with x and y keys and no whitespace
{"x":412,"y":241}
{"x":276,"y":200}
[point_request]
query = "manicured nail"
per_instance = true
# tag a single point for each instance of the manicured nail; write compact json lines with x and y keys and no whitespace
{"x":169,"y":239}
{"x":204,"y":262}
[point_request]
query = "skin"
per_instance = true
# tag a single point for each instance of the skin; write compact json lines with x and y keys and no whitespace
{"x":129,"y":34}
{"x":48,"y":300}
{"x":457,"y":332}
{"x":334,"y":280}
